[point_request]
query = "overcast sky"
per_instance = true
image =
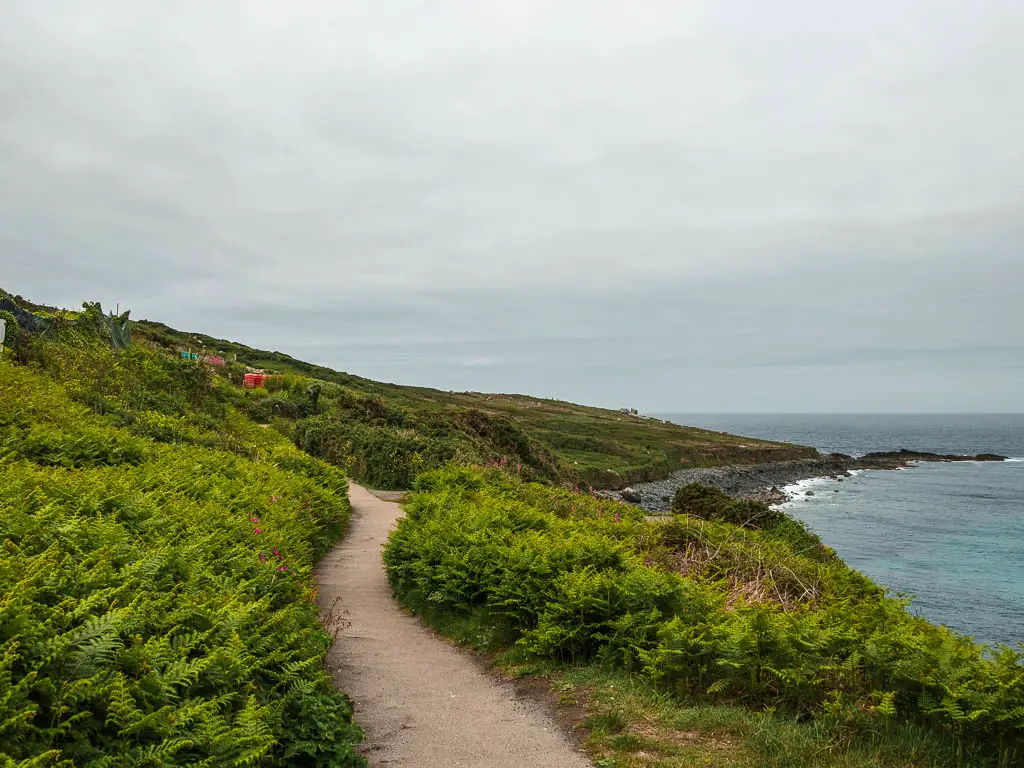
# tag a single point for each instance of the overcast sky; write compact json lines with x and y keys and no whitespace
{"x":716,"y":205}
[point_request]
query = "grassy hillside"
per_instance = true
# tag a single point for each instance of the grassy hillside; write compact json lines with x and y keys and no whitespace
{"x":418,"y":428}
{"x":156,"y":601}
{"x":158,"y":539}
{"x":385,"y":434}
{"x":730,"y":623}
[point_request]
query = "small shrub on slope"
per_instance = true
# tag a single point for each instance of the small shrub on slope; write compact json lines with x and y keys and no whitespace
{"x":712,"y":504}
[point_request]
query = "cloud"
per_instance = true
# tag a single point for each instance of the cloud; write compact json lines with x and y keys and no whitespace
{"x":479,"y":362}
{"x":652,"y":204}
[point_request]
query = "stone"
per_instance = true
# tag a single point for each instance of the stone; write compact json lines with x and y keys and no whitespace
{"x":631,"y":495}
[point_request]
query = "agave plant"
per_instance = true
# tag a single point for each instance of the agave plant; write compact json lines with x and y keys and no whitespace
{"x":117,"y":327}
{"x":120,"y":329}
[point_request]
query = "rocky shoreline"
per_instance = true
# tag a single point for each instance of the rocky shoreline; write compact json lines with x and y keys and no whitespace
{"x":764,"y":482}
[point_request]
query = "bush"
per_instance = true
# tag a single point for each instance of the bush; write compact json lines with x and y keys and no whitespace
{"x":700,"y":500}
{"x":12,"y":331}
{"x":379,"y":455}
{"x":712,"y":504}
{"x":266,"y":408}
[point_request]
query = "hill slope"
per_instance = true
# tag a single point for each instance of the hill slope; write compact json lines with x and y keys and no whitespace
{"x":385,"y":433}
{"x":421,"y":428}
{"x":155,"y":597}
{"x":156,"y":606}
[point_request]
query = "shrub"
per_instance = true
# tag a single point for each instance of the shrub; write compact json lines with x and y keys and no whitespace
{"x":12,"y":331}
{"x":713,"y":504}
{"x":700,"y":500}
{"x":266,"y":408}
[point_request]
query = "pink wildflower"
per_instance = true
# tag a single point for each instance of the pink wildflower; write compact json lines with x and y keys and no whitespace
{"x":257,"y":531}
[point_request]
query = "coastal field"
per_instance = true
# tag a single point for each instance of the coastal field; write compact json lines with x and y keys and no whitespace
{"x":156,"y":552}
{"x":161,"y":526}
{"x":385,"y":433}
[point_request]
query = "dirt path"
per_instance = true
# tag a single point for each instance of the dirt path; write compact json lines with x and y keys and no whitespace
{"x":422,"y":702}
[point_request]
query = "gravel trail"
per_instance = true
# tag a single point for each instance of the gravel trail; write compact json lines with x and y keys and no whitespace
{"x":422,"y":702}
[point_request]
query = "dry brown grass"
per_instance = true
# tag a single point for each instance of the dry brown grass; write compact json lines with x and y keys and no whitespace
{"x":749,"y":577}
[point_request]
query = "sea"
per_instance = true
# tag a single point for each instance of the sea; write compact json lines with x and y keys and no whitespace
{"x":949,"y":535}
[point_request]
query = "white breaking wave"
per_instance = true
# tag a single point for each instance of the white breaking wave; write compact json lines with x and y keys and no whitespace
{"x":798,"y":491}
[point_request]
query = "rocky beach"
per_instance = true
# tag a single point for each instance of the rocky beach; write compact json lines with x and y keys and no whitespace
{"x":764,"y":482}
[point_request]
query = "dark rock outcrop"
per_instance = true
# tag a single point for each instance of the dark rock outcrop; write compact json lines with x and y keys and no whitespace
{"x":762,"y":482}
{"x":631,"y":495}
{"x":902,"y":457}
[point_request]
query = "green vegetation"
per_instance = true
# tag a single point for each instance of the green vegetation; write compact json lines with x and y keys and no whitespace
{"x":12,"y":332}
{"x":629,"y":722}
{"x":156,"y":592}
{"x":394,"y":433}
{"x":710,"y":503}
{"x":709,"y":614}
{"x":160,"y":525}
{"x":386,"y":434}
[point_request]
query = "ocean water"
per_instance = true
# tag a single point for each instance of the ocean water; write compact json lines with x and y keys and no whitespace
{"x":951,"y":535}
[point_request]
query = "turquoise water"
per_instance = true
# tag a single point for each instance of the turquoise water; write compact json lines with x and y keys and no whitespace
{"x":952,"y":535}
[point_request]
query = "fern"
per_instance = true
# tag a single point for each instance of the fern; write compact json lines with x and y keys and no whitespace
{"x":140,"y":626}
{"x":699,"y":607}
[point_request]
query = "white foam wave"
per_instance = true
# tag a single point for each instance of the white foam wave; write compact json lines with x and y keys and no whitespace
{"x":798,"y":491}
{"x":1016,"y":458}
